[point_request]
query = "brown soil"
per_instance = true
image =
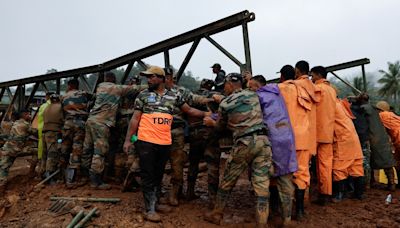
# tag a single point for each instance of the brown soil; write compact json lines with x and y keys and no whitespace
{"x":29,"y":209}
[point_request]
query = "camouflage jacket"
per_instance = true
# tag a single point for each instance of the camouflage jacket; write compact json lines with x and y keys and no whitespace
{"x":241,"y":113}
{"x":108,"y":98}
{"x":20,"y":130}
{"x":75,"y":103}
{"x":151,"y":102}
{"x":186,"y":96}
{"x":127,"y":104}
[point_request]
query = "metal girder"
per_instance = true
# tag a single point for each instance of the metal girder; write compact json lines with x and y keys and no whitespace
{"x":167,"y":63}
{"x":85,"y":83}
{"x":127,"y":71}
{"x":223,"y":50}
{"x":34,"y":89}
{"x":3,"y":90}
{"x":346,"y":82}
{"x":246,"y":42}
{"x":346,"y":65}
{"x":12,"y":103}
{"x":187,"y":58}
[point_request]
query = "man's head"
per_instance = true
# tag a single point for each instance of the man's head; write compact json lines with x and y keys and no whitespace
{"x":134,"y":80}
{"x":206,"y":84}
{"x":317,"y":73}
{"x":233,"y":81}
{"x":110,"y":77}
{"x":287,"y":73}
{"x":216,"y":68}
{"x":155,"y":77}
{"x":73,"y":84}
{"x":362,"y":98}
{"x":55,"y":98}
{"x":48,"y":94}
{"x":257,"y":82}
{"x":170,"y":79}
{"x":24,"y":114}
{"x":383,"y":106}
{"x":301,"y":68}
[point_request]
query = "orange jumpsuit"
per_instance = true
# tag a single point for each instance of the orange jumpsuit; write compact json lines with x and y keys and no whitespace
{"x":391,"y":122}
{"x":300,"y":97}
{"x":325,"y":127}
{"x":347,"y":152}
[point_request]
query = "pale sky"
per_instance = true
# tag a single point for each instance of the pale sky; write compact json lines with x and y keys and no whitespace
{"x":43,"y":34}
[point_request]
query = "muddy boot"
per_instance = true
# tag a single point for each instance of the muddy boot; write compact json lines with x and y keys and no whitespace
{"x":70,"y":178}
{"x":286,"y":208}
{"x":163,"y":208}
{"x":358,"y":188}
{"x":150,"y":200}
{"x":97,"y":182}
{"x":390,"y":176}
{"x":216,"y":215}
{"x":322,"y":200}
{"x":262,"y":211}
{"x":339,"y":191}
{"x":173,"y":195}
{"x":190,"y":195}
{"x":299,"y":195}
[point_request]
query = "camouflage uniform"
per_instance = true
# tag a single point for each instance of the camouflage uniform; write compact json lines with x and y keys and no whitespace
{"x":75,"y":106}
{"x":14,"y":147}
{"x":241,"y":113}
{"x":101,"y":118}
{"x":5,"y":131}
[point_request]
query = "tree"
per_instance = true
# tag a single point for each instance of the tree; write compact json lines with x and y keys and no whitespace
{"x":390,"y":82}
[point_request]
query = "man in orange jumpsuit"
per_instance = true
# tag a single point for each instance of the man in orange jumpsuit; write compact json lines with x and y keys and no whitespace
{"x":391,"y":121}
{"x":300,"y":96}
{"x":347,"y":154}
{"x":325,"y":124}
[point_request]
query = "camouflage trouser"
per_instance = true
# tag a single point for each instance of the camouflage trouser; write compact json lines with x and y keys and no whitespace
{"x":212,"y":155}
{"x":51,"y":154}
{"x":9,"y":152}
{"x":73,"y":135}
{"x":177,"y":156}
{"x":286,"y":191}
{"x":198,"y":139}
{"x":366,"y":162}
{"x":254,"y":151}
{"x":95,"y":146}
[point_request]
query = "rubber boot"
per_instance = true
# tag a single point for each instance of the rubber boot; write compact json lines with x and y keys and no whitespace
{"x":322,"y":200}
{"x":216,"y":215}
{"x":286,"y":208}
{"x":97,"y":182}
{"x":358,"y":188}
{"x":390,"y":176}
{"x":173,"y":195}
{"x":338,"y":191}
{"x":70,"y":178}
{"x":262,"y":211}
{"x":190,"y":194}
{"x":150,"y":200}
{"x":299,"y":196}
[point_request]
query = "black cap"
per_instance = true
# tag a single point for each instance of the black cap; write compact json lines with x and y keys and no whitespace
{"x":234,"y":77}
{"x":207,"y":82}
{"x":216,"y":65}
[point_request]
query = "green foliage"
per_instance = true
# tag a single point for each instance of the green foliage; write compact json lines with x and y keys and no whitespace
{"x":390,"y":82}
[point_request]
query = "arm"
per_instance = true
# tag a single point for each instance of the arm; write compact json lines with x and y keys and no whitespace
{"x":132,"y":129}
{"x":192,"y":111}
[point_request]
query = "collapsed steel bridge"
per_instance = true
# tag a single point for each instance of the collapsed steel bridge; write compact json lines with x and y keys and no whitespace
{"x":18,"y":101}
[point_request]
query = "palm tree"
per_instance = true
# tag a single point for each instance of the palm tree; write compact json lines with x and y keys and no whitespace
{"x":390,"y":81}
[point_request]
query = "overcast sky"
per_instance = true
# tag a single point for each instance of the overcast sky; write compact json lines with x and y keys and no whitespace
{"x":43,"y":34}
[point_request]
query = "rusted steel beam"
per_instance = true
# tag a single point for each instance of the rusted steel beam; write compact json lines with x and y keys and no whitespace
{"x":85,"y":83}
{"x":187,"y":58}
{"x":58,"y":85}
{"x":127,"y":71}
{"x":3,"y":90}
{"x":32,"y":95}
{"x":246,"y":43}
{"x":223,"y":50}
{"x":12,"y":103}
{"x":167,"y":63}
{"x":346,"y":65}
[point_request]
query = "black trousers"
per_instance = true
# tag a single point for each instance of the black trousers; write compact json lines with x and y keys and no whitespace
{"x":152,"y":164}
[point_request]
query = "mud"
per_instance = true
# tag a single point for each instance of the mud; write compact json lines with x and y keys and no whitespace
{"x":25,"y":208}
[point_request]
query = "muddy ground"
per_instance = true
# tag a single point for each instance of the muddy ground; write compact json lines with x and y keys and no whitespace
{"x":29,"y":209}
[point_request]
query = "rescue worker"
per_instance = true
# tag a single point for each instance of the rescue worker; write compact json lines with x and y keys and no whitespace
{"x":347,"y":154}
{"x":40,"y":127}
{"x":381,"y":148}
{"x":240,"y":111}
{"x":280,"y":134}
{"x":325,"y":132}
{"x":13,"y":148}
{"x":391,"y":121}
{"x":6,"y":128}
{"x":75,"y":105}
{"x":151,"y":122}
{"x":53,"y":120}
{"x":300,"y":97}
{"x":97,"y":129}
{"x":219,"y":78}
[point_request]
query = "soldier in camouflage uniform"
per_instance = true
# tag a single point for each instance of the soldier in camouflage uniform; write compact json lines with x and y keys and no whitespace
{"x":52,"y":122}
{"x":178,"y":156}
{"x":97,"y":131}
{"x":14,"y":146}
{"x":151,"y":122}
{"x":240,"y":111}
{"x":5,"y":130}
{"x":75,"y":105}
